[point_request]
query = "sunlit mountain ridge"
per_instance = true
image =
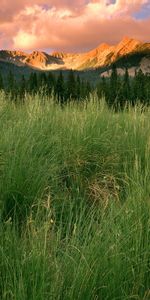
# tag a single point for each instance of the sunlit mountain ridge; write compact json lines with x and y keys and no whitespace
{"x":102,"y":56}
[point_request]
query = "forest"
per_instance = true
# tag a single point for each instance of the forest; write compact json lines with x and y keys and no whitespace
{"x":118,"y":91}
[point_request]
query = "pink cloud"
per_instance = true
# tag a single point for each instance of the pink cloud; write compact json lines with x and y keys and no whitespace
{"x":66,"y":25}
{"x":7,"y":11}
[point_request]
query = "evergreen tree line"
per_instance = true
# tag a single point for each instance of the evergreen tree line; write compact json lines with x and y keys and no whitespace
{"x":117,"y":90}
{"x":46,"y":84}
{"x":122,"y":90}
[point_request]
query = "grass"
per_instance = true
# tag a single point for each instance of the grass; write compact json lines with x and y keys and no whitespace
{"x":75,"y":202}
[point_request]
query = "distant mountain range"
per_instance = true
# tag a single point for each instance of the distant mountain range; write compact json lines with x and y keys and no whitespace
{"x":129,"y":52}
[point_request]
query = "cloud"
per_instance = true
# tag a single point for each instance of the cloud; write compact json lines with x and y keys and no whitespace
{"x":24,"y":39}
{"x":69,"y":25}
{"x":8,"y":11}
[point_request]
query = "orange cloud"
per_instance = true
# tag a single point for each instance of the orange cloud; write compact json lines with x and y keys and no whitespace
{"x":69,"y":25}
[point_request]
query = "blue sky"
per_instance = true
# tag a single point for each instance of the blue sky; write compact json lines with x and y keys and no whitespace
{"x":143,"y":13}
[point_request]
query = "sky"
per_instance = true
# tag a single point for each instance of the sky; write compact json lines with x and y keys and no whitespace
{"x":71,"y":25}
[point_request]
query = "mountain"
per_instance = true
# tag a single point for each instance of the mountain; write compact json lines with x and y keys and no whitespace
{"x":129,"y":52}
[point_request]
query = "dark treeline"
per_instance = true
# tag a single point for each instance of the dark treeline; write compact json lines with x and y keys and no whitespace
{"x":122,"y":90}
{"x":46,"y":84}
{"x":117,"y":90}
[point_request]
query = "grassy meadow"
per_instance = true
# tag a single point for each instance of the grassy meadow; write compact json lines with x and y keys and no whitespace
{"x":74,"y":201}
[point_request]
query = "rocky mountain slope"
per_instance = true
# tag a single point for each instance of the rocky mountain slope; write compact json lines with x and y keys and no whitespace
{"x":129,"y":51}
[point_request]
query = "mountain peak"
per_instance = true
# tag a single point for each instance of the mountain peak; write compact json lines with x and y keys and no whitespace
{"x":58,"y":54}
{"x":127,"y":40}
{"x":36,"y":54}
{"x":61,"y":55}
{"x":127,"y":45}
{"x":103,"y":46}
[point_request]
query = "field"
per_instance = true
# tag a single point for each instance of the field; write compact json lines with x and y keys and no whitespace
{"x":74,"y":201}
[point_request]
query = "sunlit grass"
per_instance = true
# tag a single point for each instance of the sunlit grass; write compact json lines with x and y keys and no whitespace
{"x":75,"y":201}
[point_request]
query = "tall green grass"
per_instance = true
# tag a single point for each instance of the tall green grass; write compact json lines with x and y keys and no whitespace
{"x":74,"y":201}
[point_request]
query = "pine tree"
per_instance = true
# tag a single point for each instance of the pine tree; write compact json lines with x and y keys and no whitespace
{"x":42,"y":84}
{"x":33,"y":84}
{"x":99,"y":89}
{"x":125,"y":90}
{"x":113,"y":91}
{"x":12,"y":87}
{"x":51,"y":83}
{"x":60,"y":89}
{"x":83,"y":90}
{"x":78,"y":87}
{"x":22,"y":89}
{"x":88,"y":89}
{"x":139,"y":87}
{"x":71,"y":86}
{"x":11,"y":82}
{"x":102,"y":89}
{"x":1,"y":82}
{"x":147,"y":89}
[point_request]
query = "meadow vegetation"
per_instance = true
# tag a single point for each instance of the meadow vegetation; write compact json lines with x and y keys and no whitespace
{"x":74,"y":201}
